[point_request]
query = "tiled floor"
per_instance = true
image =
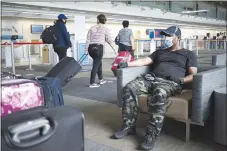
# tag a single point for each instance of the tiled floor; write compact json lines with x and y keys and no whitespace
{"x":102,"y":119}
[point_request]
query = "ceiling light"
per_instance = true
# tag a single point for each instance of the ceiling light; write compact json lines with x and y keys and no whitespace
{"x":52,"y":14}
{"x":71,"y":11}
{"x":30,"y":13}
{"x":45,"y":8}
{"x":4,"y":5}
{"x":18,"y":6}
{"x":197,"y":11}
{"x":8,"y":11}
{"x":110,"y":18}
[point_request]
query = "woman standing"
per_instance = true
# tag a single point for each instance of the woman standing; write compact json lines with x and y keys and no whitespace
{"x":96,"y":38}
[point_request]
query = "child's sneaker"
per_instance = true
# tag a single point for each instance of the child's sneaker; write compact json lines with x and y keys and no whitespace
{"x":94,"y":85}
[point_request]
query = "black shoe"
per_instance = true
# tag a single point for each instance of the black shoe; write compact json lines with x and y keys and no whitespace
{"x":148,"y":142}
{"x":124,"y":131}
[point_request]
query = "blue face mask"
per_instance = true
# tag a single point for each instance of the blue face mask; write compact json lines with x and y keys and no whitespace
{"x":168,"y":42}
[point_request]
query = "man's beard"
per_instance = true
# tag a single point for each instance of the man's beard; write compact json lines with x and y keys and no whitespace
{"x":171,"y":48}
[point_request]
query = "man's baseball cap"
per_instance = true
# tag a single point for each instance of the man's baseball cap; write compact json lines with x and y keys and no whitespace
{"x":62,"y":16}
{"x":172,"y":30}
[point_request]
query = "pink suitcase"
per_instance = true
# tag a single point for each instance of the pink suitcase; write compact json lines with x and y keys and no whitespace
{"x":122,"y":57}
{"x":20,"y":94}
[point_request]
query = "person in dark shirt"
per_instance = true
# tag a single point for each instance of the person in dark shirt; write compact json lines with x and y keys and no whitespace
{"x":125,"y":39}
{"x":63,"y":37}
{"x":171,"y":68}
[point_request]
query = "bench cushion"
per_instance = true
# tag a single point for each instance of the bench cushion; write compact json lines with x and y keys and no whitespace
{"x":177,"y":107}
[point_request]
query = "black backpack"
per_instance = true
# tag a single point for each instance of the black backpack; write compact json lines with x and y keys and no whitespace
{"x":50,"y":35}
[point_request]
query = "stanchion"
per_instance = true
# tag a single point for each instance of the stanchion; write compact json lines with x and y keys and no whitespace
{"x":225,"y":44}
{"x":216,"y":44}
{"x":50,"y":47}
{"x":209,"y":44}
{"x":12,"y":58}
{"x":137,"y":49}
{"x":197,"y":50}
{"x":29,"y":59}
{"x":8,"y":60}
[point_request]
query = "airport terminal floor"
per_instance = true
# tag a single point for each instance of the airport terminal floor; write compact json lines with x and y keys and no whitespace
{"x":103,"y":117}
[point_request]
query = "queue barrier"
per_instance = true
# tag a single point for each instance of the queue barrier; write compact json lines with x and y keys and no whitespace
{"x":147,"y":46}
{"x":29,"y":52}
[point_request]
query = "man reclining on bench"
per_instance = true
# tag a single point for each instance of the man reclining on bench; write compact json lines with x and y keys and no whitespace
{"x":172,"y":67}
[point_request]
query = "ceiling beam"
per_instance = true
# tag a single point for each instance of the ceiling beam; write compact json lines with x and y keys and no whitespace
{"x":52,"y":11}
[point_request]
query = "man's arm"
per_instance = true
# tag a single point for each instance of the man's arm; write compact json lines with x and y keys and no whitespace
{"x":192,"y":71}
{"x":66,"y":35}
{"x":88,"y":41}
{"x":140,"y":62}
{"x":191,"y":67}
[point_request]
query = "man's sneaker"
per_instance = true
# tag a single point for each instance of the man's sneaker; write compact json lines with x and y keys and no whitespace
{"x":94,"y":85}
{"x":102,"y":81}
{"x":124,"y":131}
{"x":148,"y":142}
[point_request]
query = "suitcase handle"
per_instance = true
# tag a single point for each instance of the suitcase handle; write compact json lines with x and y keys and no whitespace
{"x":82,"y":58}
{"x":34,"y":132}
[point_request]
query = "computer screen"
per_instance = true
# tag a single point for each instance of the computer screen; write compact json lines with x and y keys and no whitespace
{"x":36,"y":29}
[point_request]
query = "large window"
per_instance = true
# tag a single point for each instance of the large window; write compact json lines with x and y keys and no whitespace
{"x":197,"y":8}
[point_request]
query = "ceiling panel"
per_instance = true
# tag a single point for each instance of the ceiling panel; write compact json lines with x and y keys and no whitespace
{"x":29,"y":11}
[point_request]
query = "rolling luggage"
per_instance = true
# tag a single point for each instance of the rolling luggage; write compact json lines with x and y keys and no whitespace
{"x":66,"y":69}
{"x":20,"y":94}
{"x":52,"y":91}
{"x":43,"y":129}
{"x":123,"y":56}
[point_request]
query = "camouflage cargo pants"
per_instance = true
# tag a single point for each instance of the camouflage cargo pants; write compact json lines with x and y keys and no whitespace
{"x":158,"y":91}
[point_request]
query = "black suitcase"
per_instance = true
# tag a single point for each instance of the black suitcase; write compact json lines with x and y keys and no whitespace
{"x":43,"y":129}
{"x":66,"y":69}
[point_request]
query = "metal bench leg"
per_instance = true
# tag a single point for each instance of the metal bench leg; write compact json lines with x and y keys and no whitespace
{"x":187,"y":136}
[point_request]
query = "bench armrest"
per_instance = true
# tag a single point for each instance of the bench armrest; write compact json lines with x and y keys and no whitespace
{"x":204,"y":83}
{"x":126,"y":75}
{"x":219,"y":59}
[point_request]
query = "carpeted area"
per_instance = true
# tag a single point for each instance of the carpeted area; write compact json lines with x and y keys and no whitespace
{"x":105,"y":93}
{"x":103,"y":119}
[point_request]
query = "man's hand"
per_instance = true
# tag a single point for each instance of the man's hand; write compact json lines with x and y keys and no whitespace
{"x":177,"y":80}
{"x":122,"y":65}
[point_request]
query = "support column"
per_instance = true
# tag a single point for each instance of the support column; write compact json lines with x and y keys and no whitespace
{"x":170,"y":6}
{"x":216,"y":11}
{"x":79,"y":34}
{"x":197,"y":8}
